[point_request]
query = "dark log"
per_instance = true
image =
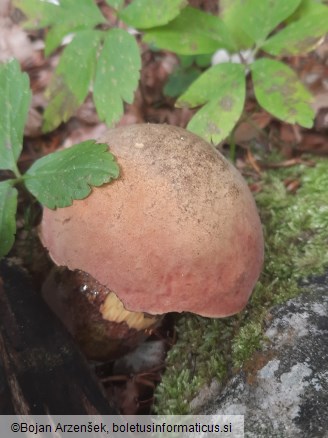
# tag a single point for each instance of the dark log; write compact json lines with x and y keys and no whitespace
{"x":41,"y":369}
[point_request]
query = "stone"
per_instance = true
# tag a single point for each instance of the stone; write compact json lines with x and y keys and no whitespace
{"x":284,"y":390}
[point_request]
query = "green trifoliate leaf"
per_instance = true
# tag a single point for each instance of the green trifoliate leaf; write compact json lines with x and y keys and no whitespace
{"x":279,"y":91}
{"x":258,"y":18}
{"x":61,"y":107}
{"x":15,"y":98}
{"x":305,"y":7}
{"x":65,"y":16}
{"x":191,"y":32}
{"x":143,"y":14}
{"x":203,"y":60}
{"x":117,"y":75}
{"x":230,"y":14}
{"x":8,"y":206}
{"x":71,"y":81}
{"x":38,"y":13}
{"x":179,"y":81}
{"x":77,"y":63}
{"x":222,"y":88}
{"x":186,"y":60}
{"x":116,"y":4}
{"x":210,"y":84}
{"x":300,"y":36}
{"x":59,"y":178}
{"x":74,"y":16}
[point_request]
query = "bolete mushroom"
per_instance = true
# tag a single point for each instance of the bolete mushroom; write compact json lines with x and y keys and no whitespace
{"x":177,"y":231}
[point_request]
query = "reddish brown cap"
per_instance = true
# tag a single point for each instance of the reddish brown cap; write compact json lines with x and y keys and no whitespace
{"x":178,"y":231}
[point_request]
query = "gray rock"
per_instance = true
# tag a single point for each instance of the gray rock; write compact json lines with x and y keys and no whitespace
{"x":288,"y":396}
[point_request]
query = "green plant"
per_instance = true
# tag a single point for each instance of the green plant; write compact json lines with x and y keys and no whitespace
{"x":108,"y":60}
{"x":188,"y":70}
{"x":56,"y":179}
{"x":281,"y":28}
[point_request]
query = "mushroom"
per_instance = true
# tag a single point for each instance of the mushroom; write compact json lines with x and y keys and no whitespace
{"x":178,"y":231}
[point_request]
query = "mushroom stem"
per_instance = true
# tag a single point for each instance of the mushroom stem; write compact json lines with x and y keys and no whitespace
{"x":94,"y":315}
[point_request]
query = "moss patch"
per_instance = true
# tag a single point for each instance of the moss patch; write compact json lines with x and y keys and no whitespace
{"x":296,"y":237}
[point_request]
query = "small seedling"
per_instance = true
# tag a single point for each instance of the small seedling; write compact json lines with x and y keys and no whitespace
{"x":104,"y":60}
{"x":281,"y":28}
{"x":56,"y":179}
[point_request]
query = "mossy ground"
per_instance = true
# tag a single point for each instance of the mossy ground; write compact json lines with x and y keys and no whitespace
{"x":296,"y":238}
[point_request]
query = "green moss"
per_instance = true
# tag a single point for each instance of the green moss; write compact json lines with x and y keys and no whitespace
{"x":296,"y":237}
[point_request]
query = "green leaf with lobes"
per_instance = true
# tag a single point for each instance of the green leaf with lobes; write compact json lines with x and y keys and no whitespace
{"x":143,"y":14}
{"x":8,"y":206}
{"x":15,"y":98}
{"x":65,"y":17}
{"x":67,"y":89}
{"x":59,"y":178}
{"x":300,"y":36}
{"x":279,"y":91}
{"x":257,"y":18}
{"x":61,"y":107}
{"x":222,"y":88}
{"x":229,"y":13}
{"x":117,"y":75}
{"x":191,"y":32}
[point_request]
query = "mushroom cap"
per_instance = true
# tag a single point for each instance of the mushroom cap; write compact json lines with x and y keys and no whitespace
{"x":177,"y":231}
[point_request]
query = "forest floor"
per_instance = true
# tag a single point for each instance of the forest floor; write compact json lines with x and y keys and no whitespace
{"x":286,"y":167}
